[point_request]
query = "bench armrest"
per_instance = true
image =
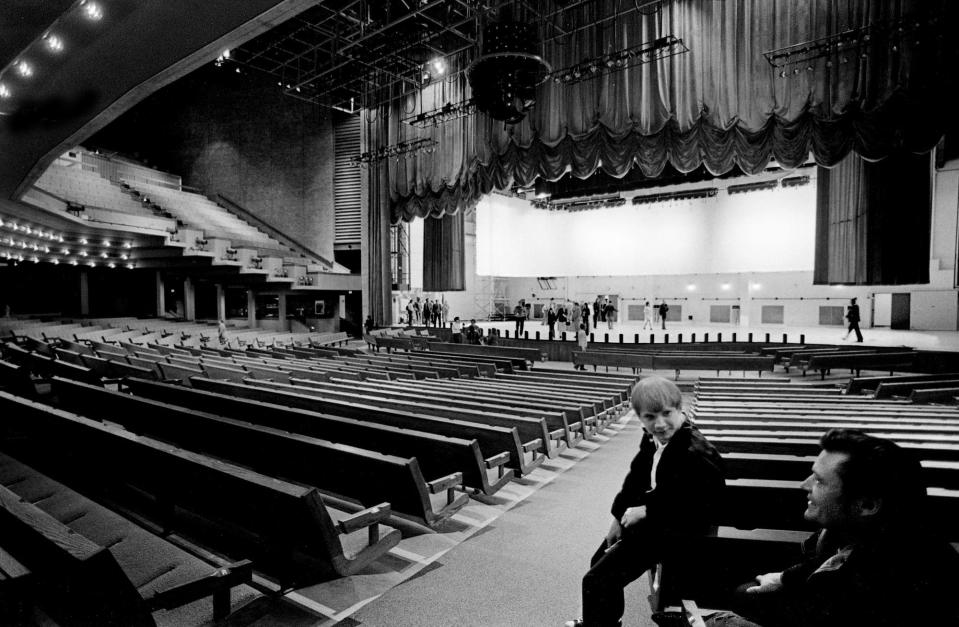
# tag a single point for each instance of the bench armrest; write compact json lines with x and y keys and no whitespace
{"x":448,"y":483}
{"x":445,"y":483}
{"x":218,"y":584}
{"x":533,"y":445}
{"x":497,"y":460}
{"x":368,"y":517}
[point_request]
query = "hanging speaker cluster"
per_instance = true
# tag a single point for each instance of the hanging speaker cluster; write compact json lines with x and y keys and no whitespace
{"x":505,"y":76}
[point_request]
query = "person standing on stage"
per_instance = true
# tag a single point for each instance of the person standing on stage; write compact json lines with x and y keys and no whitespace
{"x":519,"y":315}
{"x":648,"y":316}
{"x":663,"y":310}
{"x":852,"y":315}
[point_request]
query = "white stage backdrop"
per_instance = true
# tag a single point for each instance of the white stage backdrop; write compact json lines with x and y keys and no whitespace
{"x":765,"y":231}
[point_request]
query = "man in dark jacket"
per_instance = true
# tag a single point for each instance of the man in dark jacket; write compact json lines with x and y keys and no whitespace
{"x":875,"y":560}
{"x":852,"y":315}
{"x":672,"y":492}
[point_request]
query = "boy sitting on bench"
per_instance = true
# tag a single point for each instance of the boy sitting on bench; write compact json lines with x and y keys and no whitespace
{"x":671,"y":493}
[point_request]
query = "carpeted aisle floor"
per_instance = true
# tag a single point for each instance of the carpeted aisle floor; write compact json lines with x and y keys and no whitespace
{"x":525,"y":568}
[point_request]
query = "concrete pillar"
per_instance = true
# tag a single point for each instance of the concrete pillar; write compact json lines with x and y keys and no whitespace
{"x":281,"y":310}
{"x":250,"y":309}
{"x":189,"y":299}
{"x":220,"y":302}
{"x":161,"y":294}
{"x":84,"y":293}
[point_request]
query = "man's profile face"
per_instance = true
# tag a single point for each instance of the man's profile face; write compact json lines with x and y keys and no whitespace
{"x":825,"y":503}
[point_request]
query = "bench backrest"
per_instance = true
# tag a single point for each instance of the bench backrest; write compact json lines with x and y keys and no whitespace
{"x":271,"y":518}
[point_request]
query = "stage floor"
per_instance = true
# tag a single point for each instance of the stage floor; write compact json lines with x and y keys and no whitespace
{"x":926,"y":340}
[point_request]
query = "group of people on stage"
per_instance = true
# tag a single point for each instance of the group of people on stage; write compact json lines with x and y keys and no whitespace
{"x":876,"y":560}
{"x":662,"y":309}
{"x":428,"y":313}
{"x":575,"y":316}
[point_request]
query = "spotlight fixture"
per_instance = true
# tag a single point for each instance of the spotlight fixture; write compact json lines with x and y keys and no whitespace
{"x":794,"y":181}
{"x":639,"y":54}
{"x":752,"y":187}
{"x":442,"y":115}
{"x":705,"y":192}
{"x":4,"y":91}
{"x":24,"y":69}
{"x":579,"y":204}
{"x":402,"y":149}
{"x":861,"y":42}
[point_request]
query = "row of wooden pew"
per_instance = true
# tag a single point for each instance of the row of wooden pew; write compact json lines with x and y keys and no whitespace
{"x":768,"y":433}
{"x":308,"y":462}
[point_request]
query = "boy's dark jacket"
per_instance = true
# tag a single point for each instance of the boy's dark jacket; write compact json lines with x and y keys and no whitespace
{"x":689,"y":484}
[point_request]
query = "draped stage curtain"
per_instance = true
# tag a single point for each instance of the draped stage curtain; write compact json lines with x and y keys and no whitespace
{"x":720,"y":104}
{"x":444,"y":264}
{"x":873,"y":221}
{"x":378,"y":277}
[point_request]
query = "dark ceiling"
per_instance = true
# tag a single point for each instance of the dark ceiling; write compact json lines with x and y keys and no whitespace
{"x":352,"y":54}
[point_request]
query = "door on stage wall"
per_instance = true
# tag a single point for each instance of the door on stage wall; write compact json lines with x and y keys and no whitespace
{"x":899,"y":318}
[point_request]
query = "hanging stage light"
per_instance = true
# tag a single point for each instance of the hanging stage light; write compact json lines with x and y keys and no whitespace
{"x":505,"y":76}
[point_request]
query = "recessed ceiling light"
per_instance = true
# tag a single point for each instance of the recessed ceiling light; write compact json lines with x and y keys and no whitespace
{"x":54,"y":43}
{"x":4,"y":91}
{"x":24,"y":69}
{"x":91,"y":10}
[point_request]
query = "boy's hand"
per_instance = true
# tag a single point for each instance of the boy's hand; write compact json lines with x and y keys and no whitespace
{"x":614,"y":534}
{"x":633,"y":515}
{"x":770,"y":582}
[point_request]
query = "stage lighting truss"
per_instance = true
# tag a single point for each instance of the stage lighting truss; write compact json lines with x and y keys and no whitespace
{"x":396,"y":151}
{"x":647,"y":52}
{"x":447,"y":113}
{"x":689,"y":194}
{"x":892,"y":35}
{"x":579,"y":204}
{"x":752,"y":187}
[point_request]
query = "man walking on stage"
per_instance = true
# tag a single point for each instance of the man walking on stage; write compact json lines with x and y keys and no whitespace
{"x":852,"y":315}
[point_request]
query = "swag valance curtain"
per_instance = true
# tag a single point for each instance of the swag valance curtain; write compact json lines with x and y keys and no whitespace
{"x":720,"y":104}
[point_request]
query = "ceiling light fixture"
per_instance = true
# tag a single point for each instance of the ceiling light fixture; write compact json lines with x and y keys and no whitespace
{"x":4,"y":91}
{"x":24,"y":69}
{"x":91,"y":10}
{"x":54,"y":43}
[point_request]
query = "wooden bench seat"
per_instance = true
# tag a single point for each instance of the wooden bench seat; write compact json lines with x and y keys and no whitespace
{"x":861,"y":361}
{"x":860,"y":385}
{"x":936,"y":432}
{"x":512,"y":352}
{"x":766,"y":442}
{"x":905,"y":389}
{"x":495,"y":441}
{"x":554,"y":429}
{"x":942,"y":474}
{"x":393,"y":343}
{"x":563,"y":421}
{"x":17,"y":379}
{"x":333,"y":468}
{"x":576,"y":410}
{"x":94,"y":566}
{"x":285,"y":528}
{"x":438,"y":455}
{"x":500,"y":363}
{"x":532,"y":433}
{"x":609,"y":396}
{"x":935,"y":395}
{"x":564,"y":394}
